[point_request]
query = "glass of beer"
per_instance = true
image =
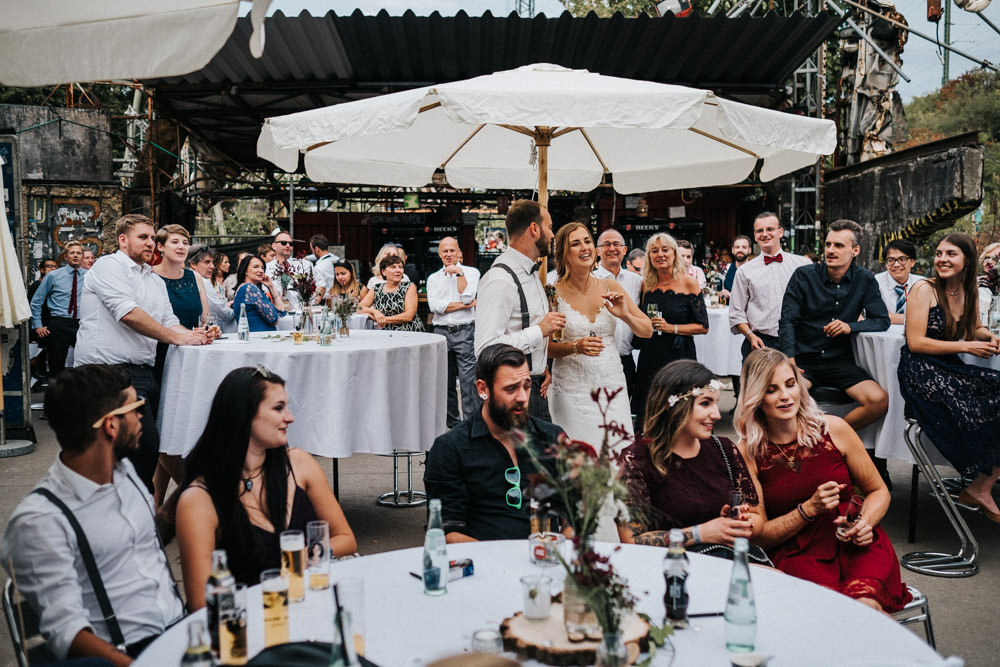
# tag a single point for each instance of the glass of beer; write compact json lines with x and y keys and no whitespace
{"x":293,"y":556}
{"x":351,"y":591}
{"x":233,"y":631}
{"x":318,"y":555}
{"x":274,"y":591}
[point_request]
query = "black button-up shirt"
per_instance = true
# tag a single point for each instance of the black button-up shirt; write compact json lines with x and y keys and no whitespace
{"x":465,"y":469}
{"x":812,"y":300}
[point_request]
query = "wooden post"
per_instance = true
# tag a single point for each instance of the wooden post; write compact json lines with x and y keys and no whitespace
{"x":543,"y":138}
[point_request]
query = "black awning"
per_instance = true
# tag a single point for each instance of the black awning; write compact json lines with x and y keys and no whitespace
{"x":315,"y":61}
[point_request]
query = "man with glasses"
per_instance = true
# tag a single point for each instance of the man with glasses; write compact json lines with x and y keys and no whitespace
{"x":611,"y":249}
{"x":478,"y":469}
{"x":95,"y":413}
{"x":636,"y":260}
{"x":759,"y":286}
{"x":283,"y":246}
{"x":897,"y":280}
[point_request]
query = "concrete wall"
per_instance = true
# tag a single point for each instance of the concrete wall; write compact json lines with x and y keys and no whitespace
{"x":61,"y":150}
{"x":909,"y":194}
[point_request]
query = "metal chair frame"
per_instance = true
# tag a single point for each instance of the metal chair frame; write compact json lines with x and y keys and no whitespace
{"x":395,"y":498}
{"x":38,"y":652}
{"x":917,"y":611}
{"x":962,"y":564}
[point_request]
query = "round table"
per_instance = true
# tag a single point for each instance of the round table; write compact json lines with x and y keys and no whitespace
{"x":878,"y":353}
{"x":719,"y":349}
{"x":798,"y":622}
{"x":373,"y":391}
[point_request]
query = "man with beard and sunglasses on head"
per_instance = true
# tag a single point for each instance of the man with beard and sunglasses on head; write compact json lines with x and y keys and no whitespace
{"x":95,"y":413}
{"x":512,"y":307}
{"x":478,"y":469}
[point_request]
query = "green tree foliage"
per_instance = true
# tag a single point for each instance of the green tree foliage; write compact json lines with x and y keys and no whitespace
{"x":970,"y":103}
{"x":605,"y":8}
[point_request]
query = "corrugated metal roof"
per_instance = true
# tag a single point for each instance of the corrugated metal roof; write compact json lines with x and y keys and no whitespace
{"x":314,"y":61}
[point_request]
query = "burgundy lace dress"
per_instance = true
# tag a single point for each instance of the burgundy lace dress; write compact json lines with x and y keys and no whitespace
{"x":815,"y":553}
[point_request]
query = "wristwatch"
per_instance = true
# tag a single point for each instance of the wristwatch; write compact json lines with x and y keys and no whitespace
{"x":460,"y":275}
{"x":688,"y":535}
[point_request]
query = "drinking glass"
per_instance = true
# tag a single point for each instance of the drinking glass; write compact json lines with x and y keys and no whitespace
{"x":735,"y":502}
{"x":318,"y":555}
{"x":351,"y":591}
{"x":542,"y":548}
{"x":537,"y":596}
{"x":274,"y":592}
{"x":652,"y":310}
{"x":851,"y":513}
{"x":293,"y":555}
{"x":486,"y":641}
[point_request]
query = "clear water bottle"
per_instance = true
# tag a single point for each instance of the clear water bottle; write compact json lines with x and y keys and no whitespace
{"x":243,"y":328}
{"x":219,"y":596}
{"x":741,"y":612}
{"x":435,"y":553}
{"x":675,"y":574}
{"x":994,"y":316}
{"x":326,"y":328}
{"x":198,"y":653}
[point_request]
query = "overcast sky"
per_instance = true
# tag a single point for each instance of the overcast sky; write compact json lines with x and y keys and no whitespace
{"x":920,"y":57}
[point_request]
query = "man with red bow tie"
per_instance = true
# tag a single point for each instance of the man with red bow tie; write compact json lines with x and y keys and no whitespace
{"x":759,"y":286}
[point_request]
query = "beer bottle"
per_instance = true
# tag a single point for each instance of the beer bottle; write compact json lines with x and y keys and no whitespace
{"x":435,"y":553}
{"x":219,"y":592}
{"x":675,"y":573}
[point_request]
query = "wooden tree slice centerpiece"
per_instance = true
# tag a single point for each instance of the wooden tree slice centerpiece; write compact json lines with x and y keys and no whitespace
{"x":546,"y":641}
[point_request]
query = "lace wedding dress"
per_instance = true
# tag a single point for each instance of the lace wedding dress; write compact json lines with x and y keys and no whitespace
{"x":575,"y":376}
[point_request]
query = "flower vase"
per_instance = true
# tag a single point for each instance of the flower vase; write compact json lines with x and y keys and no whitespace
{"x":306,"y":321}
{"x":612,"y":651}
{"x":581,"y":621}
{"x":345,"y":330}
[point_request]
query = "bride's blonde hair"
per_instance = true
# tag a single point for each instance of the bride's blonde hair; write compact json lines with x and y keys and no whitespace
{"x":758,"y":369}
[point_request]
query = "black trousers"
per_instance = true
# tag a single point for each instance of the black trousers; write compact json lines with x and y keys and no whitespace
{"x":538,"y":406}
{"x":145,"y":457}
{"x":628,"y":366}
{"x":62,"y":336}
{"x":769,"y":341}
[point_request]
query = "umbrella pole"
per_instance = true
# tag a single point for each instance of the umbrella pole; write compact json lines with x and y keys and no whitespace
{"x":543,"y":137}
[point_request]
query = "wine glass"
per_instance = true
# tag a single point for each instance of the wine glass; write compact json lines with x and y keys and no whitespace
{"x":652,"y":310}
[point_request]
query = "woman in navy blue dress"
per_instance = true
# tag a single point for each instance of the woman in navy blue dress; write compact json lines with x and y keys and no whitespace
{"x":262,"y":314}
{"x":956,"y":404}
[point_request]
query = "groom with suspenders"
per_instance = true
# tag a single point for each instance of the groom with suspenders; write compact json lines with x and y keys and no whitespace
{"x":511,"y":307}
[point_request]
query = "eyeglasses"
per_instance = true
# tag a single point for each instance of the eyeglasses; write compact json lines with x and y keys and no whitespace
{"x":611,"y":244}
{"x":123,"y":410}
{"x":896,"y":260}
{"x":765,"y":230}
{"x":282,"y":242}
{"x":513,"y":477}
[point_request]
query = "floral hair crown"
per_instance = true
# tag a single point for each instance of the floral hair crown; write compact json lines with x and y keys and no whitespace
{"x":696,"y":391}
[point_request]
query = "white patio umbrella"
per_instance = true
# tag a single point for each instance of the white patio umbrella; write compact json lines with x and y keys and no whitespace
{"x":45,"y":42}
{"x":547,"y":127}
{"x":14,"y":306}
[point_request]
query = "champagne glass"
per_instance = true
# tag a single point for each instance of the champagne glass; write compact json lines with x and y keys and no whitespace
{"x":851,"y":513}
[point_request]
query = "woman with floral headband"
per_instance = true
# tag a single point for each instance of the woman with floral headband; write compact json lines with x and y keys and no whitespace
{"x":682,"y":477}
{"x":808,"y":465}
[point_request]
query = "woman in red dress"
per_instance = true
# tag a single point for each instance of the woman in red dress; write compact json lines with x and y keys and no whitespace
{"x":809,"y":466}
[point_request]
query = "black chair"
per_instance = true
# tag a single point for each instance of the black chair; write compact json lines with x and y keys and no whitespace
{"x":963,"y":563}
{"x":29,"y":646}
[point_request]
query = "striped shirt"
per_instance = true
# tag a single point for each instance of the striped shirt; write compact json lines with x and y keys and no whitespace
{"x":758,"y":290}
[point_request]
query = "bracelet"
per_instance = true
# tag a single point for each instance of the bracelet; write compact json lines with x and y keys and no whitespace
{"x":696,"y":533}
{"x":575,"y":351}
{"x":675,"y":329}
{"x":803,"y":514}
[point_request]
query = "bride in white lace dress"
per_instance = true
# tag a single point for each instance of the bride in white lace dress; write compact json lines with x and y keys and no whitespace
{"x":587,"y":357}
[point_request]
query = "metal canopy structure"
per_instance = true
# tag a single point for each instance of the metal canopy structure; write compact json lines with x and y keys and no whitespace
{"x":315,"y":61}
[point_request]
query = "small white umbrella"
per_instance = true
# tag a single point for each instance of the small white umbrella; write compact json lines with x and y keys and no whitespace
{"x":45,"y":42}
{"x":14,"y":306}
{"x":547,"y":127}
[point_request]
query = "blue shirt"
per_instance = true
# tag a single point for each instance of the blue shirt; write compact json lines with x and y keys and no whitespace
{"x":56,"y":288}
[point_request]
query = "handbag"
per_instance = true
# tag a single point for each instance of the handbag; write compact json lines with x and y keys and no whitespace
{"x":299,"y":654}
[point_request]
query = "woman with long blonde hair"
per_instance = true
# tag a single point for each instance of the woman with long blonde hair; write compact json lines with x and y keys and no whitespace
{"x":586,"y":358}
{"x":673,"y":302}
{"x":808,"y":465}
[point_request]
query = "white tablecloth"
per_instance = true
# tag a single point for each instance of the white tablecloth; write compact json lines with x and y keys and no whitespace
{"x":373,"y":391}
{"x":355,"y":321}
{"x":799,"y":623}
{"x":719,"y":349}
{"x":878,"y":353}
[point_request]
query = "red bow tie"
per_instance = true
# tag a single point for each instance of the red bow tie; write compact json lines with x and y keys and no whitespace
{"x":768,"y":260}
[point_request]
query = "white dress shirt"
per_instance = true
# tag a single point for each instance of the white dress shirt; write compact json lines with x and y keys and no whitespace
{"x":117,"y":519}
{"x":217,"y":304}
{"x":498,"y":309}
{"x":632,"y":284}
{"x":887,"y":288}
{"x":323,"y":272}
{"x":698,"y":274}
{"x":758,"y":289}
{"x":442,"y":289}
{"x":113,"y":288}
